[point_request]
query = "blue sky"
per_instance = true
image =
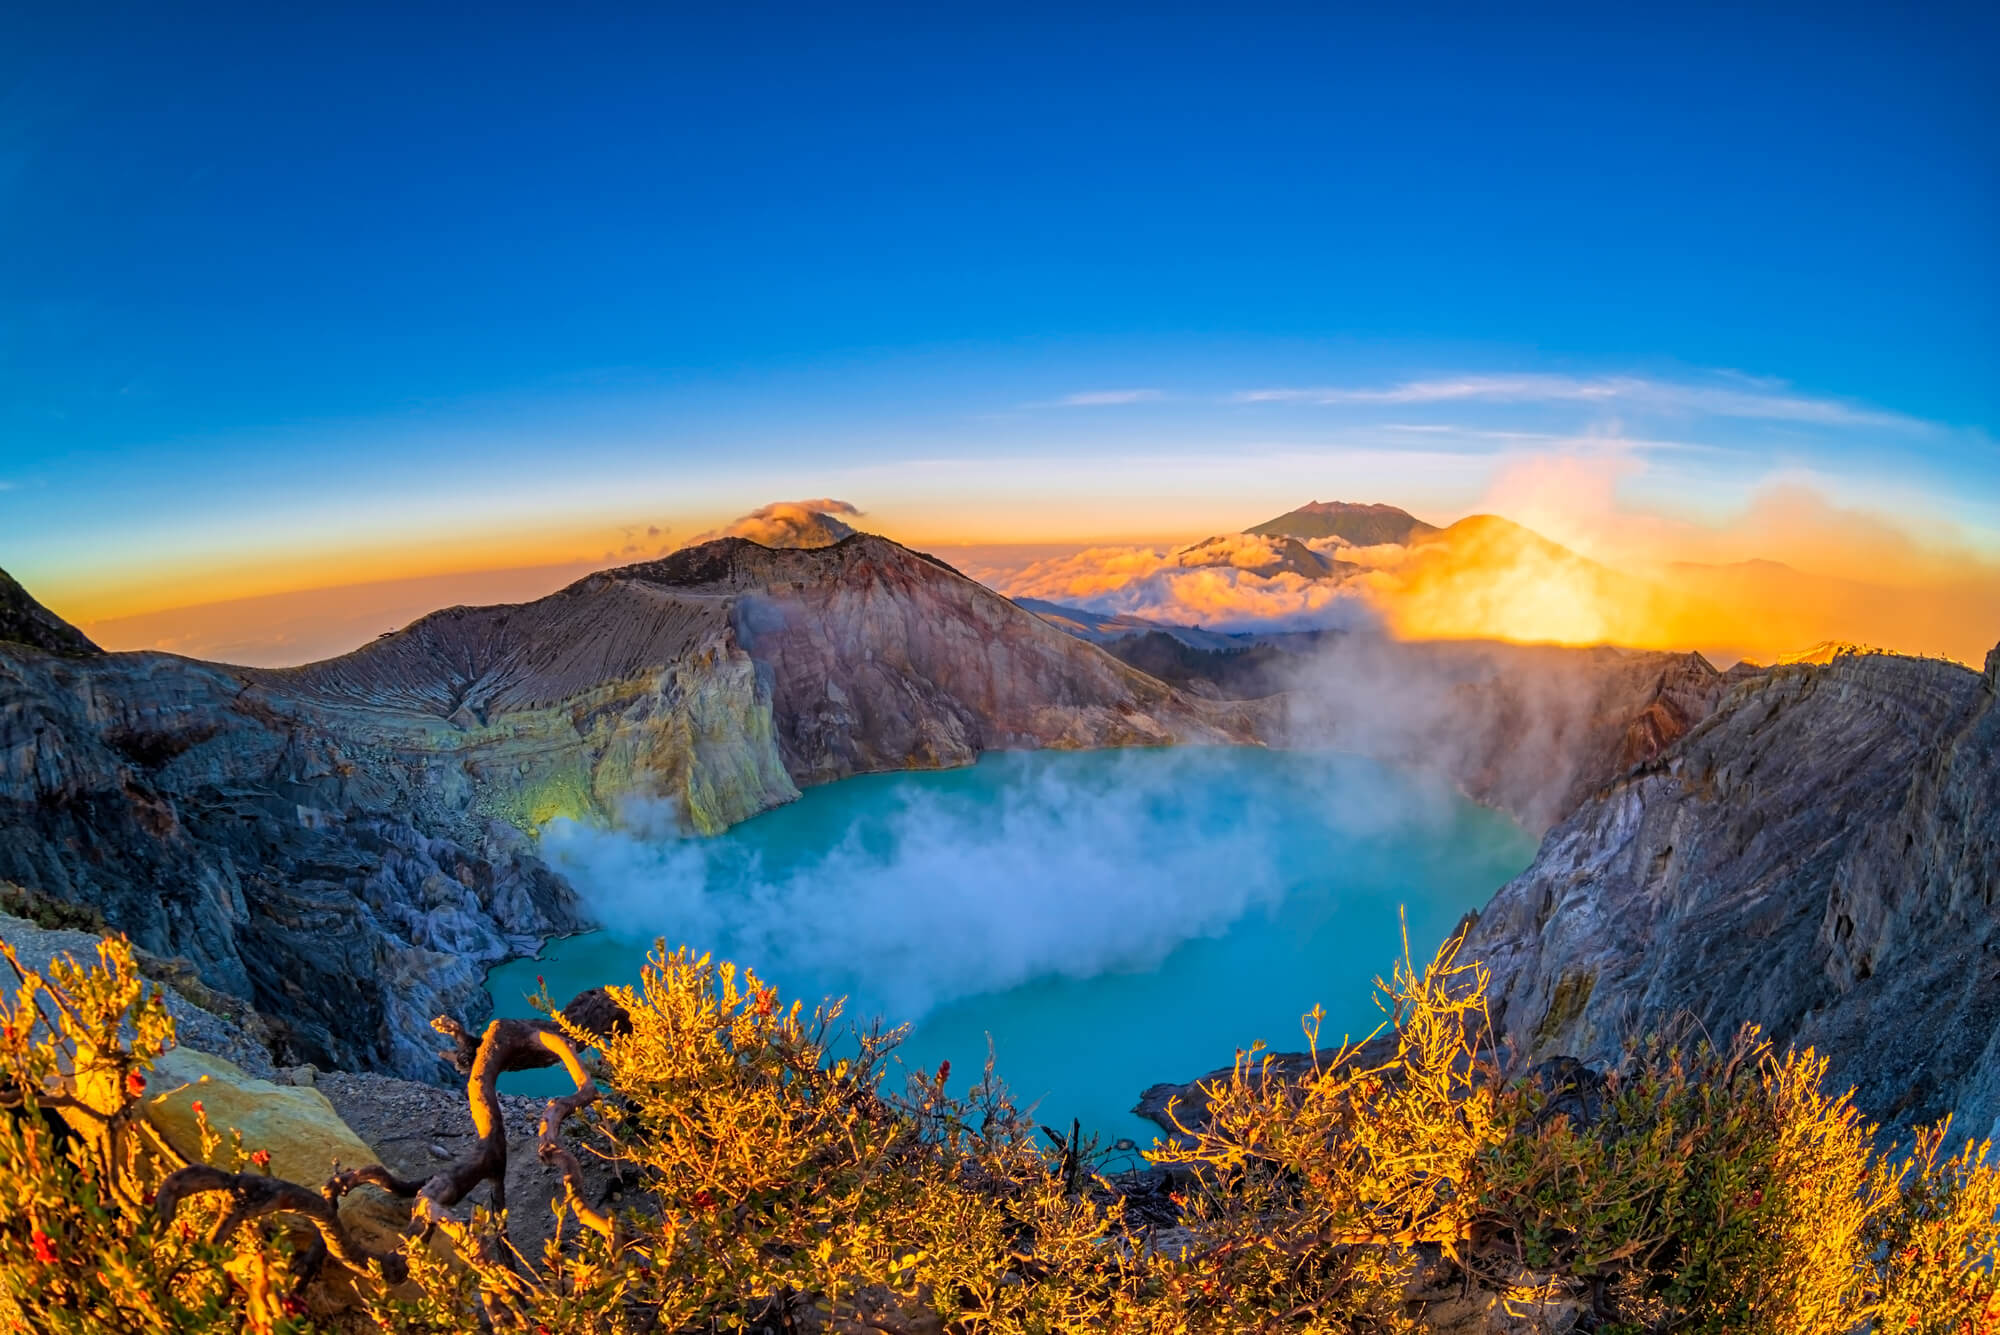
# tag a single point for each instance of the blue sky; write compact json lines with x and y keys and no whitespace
{"x":399,"y":281}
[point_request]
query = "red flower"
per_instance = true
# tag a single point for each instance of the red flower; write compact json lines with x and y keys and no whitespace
{"x":8,"y":1030}
{"x":45,"y":1251}
{"x":704,"y":1201}
{"x":262,"y":1158}
{"x":135,"y":1084}
{"x":539,"y":982}
{"x":196,"y":1105}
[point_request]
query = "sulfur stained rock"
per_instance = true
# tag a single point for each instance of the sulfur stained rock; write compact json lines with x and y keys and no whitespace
{"x":296,"y":1124}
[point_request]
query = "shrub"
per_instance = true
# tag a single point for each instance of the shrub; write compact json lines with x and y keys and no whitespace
{"x":774,"y":1183}
{"x":1696,"y":1189}
{"x":81,"y":1247}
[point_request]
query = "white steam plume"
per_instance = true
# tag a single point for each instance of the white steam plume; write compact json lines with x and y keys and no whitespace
{"x":941,"y":895}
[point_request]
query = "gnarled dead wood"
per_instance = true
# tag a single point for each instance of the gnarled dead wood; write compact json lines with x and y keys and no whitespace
{"x":253,"y":1196}
{"x":506,"y":1045}
{"x":550,"y":1149}
{"x":593,"y":1011}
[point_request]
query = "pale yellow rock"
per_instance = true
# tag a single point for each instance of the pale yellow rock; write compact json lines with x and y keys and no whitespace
{"x":303,"y":1133}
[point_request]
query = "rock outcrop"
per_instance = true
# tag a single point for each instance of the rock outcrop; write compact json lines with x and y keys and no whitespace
{"x":25,"y":621}
{"x":296,"y":1125}
{"x":348,"y":845}
{"x":1820,"y":857}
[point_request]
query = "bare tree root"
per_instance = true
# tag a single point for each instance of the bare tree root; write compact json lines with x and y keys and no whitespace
{"x":550,"y":1149}
{"x":253,"y":1196}
{"x":506,"y":1045}
{"x":593,"y":1012}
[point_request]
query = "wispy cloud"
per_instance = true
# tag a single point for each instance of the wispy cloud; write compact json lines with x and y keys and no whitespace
{"x":1741,"y":398}
{"x":1107,"y":398}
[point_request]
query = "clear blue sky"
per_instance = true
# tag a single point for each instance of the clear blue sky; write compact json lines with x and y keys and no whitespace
{"x":468,"y":260}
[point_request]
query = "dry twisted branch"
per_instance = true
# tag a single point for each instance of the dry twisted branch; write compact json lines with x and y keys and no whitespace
{"x":506,"y":1045}
{"x":252,"y":1196}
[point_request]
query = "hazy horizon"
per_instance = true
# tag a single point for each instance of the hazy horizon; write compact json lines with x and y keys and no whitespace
{"x":556,"y":294}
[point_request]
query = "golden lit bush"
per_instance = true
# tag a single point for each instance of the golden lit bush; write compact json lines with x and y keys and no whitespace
{"x":1695,"y":1190}
{"x":772,"y":1182}
{"x":82,"y":1247}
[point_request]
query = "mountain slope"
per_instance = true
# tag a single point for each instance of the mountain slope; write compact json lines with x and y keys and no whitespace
{"x":1530,"y":729}
{"x":1821,"y":856}
{"x":1361,"y":525}
{"x":346,"y":844}
{"x":25,"y":621}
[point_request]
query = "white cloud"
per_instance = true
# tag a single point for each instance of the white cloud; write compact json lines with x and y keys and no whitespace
{"x":1757,"y":399}
{"x":1234,"y":582}
{"x":1107,"y":398}
{"x":1052,"y":872}
{"x":808,"y":523}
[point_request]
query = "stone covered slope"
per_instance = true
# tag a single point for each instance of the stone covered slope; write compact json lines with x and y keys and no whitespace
{"x":1821,"y":857}
{"x":210,"y":822}
{"x":345,"y":845}
{"x":881,"y":658}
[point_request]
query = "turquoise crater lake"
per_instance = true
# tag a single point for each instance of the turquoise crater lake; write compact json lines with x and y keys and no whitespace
{"x":1110,"y":918}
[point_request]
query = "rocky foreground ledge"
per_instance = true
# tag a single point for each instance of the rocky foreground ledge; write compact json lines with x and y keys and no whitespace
{"x":307,"y":1118}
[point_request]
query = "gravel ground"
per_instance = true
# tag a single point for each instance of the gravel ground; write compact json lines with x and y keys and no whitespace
{"x":195,"y":1027}
{"x":418,"y":1129}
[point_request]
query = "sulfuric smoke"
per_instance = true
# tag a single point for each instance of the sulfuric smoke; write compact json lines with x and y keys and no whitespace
{"x":923,"y":893}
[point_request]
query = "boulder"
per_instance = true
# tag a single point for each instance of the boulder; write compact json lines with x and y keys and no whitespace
{"x":305,"y":1137}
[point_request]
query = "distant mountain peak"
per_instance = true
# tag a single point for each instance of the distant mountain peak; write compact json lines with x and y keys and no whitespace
{"x":1364,"y":525}
{"x":25,"y":621}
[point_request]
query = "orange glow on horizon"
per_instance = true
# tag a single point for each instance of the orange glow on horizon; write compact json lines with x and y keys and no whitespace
{"x":1576,"y":570}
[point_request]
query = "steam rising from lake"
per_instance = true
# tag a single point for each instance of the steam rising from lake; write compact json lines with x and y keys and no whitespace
{"x":907,"y":895}
{"x":1105,"y":919}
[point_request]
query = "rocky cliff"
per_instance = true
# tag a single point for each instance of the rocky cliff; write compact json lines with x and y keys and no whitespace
{"x":1820,"y":856}
{"x":25,"y":621}
{"x":347,"y":845}
{"x":1529,"y":729}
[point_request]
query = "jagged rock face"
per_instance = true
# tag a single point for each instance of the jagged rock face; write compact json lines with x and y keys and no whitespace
{"x":1820,"y":857}
{"x":25,"y":621}
{"x":347,"y":844}
{"x":208,"y":825}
